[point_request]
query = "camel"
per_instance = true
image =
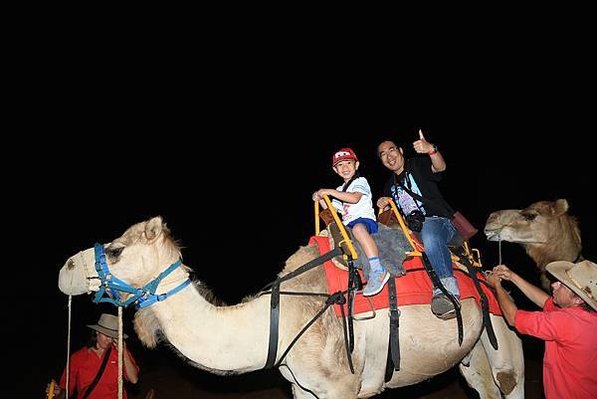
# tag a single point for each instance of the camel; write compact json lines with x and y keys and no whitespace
{"x":234,"y":339}
{"x":545,"y":229}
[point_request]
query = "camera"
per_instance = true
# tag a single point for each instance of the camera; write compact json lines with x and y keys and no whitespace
{"x":415,"y":220}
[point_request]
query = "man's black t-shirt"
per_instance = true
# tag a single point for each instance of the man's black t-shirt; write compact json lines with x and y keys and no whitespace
{"x":434,"y":203}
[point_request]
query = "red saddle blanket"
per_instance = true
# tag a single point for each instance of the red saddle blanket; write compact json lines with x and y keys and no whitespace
{"x":413,"y":288}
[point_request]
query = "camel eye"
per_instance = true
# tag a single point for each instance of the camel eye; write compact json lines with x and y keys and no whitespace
{"x":529,"y":217}
{"x":114,"y":252}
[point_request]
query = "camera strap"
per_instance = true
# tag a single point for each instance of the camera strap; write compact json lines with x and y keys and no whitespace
{"x":414,"y":195}
{"x":418,"y":197}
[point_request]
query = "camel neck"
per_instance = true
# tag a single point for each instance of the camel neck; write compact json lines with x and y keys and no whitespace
{"x":197,"y":339}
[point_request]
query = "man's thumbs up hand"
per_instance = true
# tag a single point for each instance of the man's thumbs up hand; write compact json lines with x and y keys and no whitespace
{"x":422,"y":146}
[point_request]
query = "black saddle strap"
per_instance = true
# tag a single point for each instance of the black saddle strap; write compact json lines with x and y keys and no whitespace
{"x":274,"y":321}
{"x":354,"y":284}
{"x":393,"y":361}
{"x":345,"y":330}
{"x":337,"y":298}
{"x":99,"y":373}
{"x":484,"y":301}
{"x":272,"y":350}
{"x":437,"y":282}
{"x":306,"y":267}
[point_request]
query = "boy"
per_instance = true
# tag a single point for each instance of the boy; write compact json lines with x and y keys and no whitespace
{"x":353,"y":201}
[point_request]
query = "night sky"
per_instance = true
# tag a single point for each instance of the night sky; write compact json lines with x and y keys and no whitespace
{"x":234,"y":185}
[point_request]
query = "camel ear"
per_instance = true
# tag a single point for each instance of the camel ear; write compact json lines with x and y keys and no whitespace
{"x":153,"y":228}
{"x":561,"y":207}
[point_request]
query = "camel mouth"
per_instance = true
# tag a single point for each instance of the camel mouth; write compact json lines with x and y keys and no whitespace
{"x":492,"y":235}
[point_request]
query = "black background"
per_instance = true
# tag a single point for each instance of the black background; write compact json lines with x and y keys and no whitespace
{"x":230,"y":161}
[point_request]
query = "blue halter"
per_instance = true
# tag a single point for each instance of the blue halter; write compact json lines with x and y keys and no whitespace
{"x":111,"y":286}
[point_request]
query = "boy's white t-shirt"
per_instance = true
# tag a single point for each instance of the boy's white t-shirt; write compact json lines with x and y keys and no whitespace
{"x":363,"y":208}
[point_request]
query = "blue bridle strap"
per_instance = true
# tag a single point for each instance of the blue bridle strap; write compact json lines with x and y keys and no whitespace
{"x":111,"y":286}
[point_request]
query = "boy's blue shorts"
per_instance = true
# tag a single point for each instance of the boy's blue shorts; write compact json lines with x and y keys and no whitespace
{"x":370,"y":224}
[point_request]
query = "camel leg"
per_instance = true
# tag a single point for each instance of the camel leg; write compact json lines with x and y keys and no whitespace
{"x":321,"y":386}
{"x":332,"y":391}
{"x":507,"y":363}
{"x":476,"y":370}
{"x":298,"y":393}
{"x":490,"y":372}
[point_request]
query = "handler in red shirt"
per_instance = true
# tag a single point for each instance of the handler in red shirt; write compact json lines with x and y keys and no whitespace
{"x":567,"y":324}
{"x":86,"y":362}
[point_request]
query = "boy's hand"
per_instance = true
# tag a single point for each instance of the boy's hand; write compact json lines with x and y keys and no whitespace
{"x":318,"y":195}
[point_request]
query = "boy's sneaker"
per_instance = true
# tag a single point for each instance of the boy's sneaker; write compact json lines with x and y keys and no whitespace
{"x":443,"y":308}
{"x":377,"y":280}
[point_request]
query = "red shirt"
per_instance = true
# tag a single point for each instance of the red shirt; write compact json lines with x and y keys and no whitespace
{"x":570,"y":360}
{"x":84,"y":365}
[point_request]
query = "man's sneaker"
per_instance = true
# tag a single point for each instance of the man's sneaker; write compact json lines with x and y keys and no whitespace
{"x":443,"y":308}
{"x":377,"y":280}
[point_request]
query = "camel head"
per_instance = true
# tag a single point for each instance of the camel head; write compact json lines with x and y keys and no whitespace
{"x":545,"y":229}
{"x":133,"y":260}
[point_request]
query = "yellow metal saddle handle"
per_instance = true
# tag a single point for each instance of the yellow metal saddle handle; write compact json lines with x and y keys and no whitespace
{"x":405,"y":230}
{"x":472,"y":253}
{"x":345,"y":237}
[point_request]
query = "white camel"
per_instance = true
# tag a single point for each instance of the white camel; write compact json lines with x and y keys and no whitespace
{"x":545,"y":229}
{"x":234,"y":339}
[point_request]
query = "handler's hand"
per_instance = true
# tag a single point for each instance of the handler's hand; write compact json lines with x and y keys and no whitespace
{"x":503,"y":272}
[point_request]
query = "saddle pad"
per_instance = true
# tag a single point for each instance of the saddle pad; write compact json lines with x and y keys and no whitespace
{"x":412,"y":289}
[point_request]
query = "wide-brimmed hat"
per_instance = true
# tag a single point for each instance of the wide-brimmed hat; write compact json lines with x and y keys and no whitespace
{"x":580,"y":277}
{"x":107,"y":325}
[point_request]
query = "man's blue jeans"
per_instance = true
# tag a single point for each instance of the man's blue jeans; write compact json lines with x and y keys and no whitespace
{"x":436,"y":234}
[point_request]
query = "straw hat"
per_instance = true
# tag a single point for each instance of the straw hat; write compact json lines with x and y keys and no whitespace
{"x":107,"y":325}
{"x":580,"y":277}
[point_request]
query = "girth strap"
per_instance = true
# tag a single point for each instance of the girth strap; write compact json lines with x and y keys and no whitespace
{"x":483,"y":298}
{"x":274,"y":321}
{"x":393,"y":361}
{"x":354,"y":284}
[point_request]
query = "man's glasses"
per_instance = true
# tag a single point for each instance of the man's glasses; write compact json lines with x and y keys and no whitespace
{"x":391,"y":150}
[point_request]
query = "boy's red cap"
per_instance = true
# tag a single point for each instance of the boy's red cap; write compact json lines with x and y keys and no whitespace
{"x":344,"y":154}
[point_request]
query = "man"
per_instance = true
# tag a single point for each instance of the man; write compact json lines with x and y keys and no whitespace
{"x":414,"y":187}
{"x":567,"y":324}
{"x":94,"y":368}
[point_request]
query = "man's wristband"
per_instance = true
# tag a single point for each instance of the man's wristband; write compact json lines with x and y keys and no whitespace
{"x":434,"y":151}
